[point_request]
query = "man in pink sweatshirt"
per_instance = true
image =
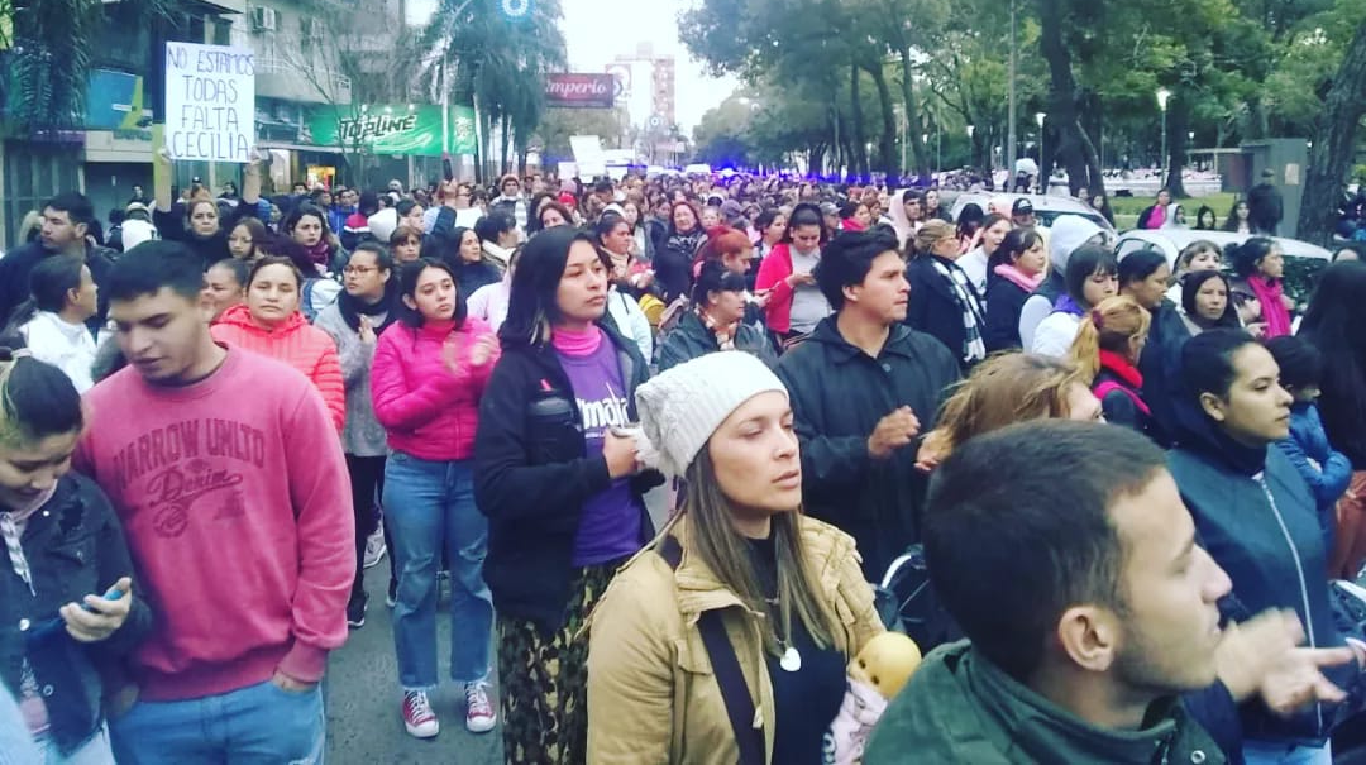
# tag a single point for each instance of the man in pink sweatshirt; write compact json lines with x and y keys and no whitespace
{"x":228,"y":476}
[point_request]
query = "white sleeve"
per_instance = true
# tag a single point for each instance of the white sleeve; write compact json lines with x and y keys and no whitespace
{"x":1035,"y":310}
{"x":640,"y":329}
{"x":1054,"y":336}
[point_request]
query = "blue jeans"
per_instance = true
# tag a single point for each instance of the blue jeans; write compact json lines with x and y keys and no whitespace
{"x":257,"y":725}
{"x":1276,"y":753}
{"x":96,"y":751}
{"x":429,"y":506}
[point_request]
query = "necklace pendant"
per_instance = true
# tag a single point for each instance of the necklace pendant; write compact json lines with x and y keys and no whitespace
{"x":791,"y":660}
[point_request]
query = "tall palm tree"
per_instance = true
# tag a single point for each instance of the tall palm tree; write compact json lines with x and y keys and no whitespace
{"x":501,"y":62}
{"x":45,"y":46}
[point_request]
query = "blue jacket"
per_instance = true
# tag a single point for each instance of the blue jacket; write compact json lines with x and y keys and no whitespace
{"x":1309,"y":441}
{"x":1258,"y":519}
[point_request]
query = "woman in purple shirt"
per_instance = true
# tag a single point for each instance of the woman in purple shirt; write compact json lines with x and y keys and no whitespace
{"x":561,"y":484}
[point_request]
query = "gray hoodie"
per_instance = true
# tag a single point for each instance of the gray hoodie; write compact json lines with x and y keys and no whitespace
{"x":1069,"y":232}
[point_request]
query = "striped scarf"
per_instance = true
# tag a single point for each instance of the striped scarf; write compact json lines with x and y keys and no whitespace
{"x":974,"y":349}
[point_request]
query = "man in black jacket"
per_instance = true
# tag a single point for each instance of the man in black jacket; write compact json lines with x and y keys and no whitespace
{"x":66,"y":224}
{"x":863,"y":387}
{"x":1265,"y":207}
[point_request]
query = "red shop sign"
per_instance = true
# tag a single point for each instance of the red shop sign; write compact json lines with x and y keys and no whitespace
{"x":592,"y":91}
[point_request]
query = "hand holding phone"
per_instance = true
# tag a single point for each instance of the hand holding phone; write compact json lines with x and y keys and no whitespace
{"x":96,"y":618}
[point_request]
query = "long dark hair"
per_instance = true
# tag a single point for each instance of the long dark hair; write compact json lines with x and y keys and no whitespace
{"x":805,"y":214}
{"x":1333,"y":322}
{"x":37,"y":400}
{"x":408,"y":275}
{"x":533,"y":307}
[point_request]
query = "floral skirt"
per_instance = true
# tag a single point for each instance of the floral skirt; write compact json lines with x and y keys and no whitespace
{"x":544,"y":679}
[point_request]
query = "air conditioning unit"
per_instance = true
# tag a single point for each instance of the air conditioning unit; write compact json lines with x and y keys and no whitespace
{"x":264,"y":19}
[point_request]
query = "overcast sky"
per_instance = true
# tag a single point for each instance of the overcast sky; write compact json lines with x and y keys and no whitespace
{"x":599,"y":30}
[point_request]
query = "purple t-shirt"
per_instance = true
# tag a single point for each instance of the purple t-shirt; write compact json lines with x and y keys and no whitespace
{"x":610,"y":526}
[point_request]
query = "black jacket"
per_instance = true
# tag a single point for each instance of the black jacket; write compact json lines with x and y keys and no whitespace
{"x":690,"y":338}
{"x":16,"y":267}
{"x":1258,"y":520}
{"x":532,"y":477}
{"x":74,"y":547}
{"x":1265,"y":208}
{"x":934,"y":308}
{"x":1161,"y":356}
{"x":209,"y":250}
{"x":1119,"y":406}
{"x":839,"y":393}
{"x":1005,"y":301}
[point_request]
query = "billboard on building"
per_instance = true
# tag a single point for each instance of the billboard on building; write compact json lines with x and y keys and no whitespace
{"x":408,"y":130}
{"x":580,"y":90}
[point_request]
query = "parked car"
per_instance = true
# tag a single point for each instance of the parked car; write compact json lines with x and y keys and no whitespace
{"x":1172,"y":241}
{"x":1303,"y":260}
{"x":1047,"y":208}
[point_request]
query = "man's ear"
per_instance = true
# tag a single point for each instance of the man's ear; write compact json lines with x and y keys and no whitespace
{"x":1089,"y":636}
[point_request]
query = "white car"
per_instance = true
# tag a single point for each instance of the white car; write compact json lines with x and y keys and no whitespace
{"x":1172,"y":241}
{"x":1047,"y":208}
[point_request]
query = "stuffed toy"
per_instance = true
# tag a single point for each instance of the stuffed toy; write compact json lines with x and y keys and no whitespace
{"x":876,"y":675}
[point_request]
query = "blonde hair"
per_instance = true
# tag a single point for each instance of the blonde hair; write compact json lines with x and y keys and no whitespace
{"x":712,"y":537}
{"x":1110,"y":326}
{"x":1003,"y":390}
{"x":931,"y":231}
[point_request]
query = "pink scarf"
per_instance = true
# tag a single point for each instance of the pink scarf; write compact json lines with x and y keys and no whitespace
{"x":21,"y":514}
{"x":1274,"y":312}
{"x":577,"y":343}
{"x":1018,"y":277}
{"x":319,"y":253}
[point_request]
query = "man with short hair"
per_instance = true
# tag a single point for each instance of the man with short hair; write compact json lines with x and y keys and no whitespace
{"x":228,"y":476}
{"x":511,"y":201}
{"x":67,"y":219}
{"x":863,"y":387}
{"x":1066,"y":555}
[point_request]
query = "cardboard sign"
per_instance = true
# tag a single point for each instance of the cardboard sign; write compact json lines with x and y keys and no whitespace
{"x":210,"y":102}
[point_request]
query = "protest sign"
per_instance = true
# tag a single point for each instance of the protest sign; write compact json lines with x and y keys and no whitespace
{"x":210,"y":102}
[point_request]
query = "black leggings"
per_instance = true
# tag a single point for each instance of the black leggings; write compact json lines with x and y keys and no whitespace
{"x":367,"y":483}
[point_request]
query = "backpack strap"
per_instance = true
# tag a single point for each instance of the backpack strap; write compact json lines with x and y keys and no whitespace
{"x":1106,"y":387}
{"x":726,"y":668}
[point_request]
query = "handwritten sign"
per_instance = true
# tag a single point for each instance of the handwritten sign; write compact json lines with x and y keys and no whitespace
{"x":210,"y":102}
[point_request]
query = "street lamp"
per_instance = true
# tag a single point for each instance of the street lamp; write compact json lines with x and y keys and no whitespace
{"x":1162,"y":95}
{"x":1043,"y":173}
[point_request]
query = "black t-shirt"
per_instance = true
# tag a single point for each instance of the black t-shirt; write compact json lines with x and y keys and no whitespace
{"x":807,"y":700}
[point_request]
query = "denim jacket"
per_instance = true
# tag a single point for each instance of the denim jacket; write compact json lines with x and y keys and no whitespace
{"x":74,"y":546}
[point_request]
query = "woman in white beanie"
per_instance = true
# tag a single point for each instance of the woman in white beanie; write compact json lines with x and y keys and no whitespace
{"x":741,"y":577}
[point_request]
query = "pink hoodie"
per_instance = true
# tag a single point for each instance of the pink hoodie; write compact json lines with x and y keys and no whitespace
{"x":428,"y":411}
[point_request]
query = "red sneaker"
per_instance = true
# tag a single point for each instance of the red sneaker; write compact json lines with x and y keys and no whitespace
{"x":479,"y":714}
{"x":418,"y":716}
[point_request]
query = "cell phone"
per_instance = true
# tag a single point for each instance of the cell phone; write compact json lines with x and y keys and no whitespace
{"x":57,"y":624}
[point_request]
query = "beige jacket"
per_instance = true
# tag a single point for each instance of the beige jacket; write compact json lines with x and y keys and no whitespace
{"x":651,"y":696}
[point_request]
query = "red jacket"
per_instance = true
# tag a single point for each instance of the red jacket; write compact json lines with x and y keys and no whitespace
{"x":773,"y":273}
{"x":297,"y":343}
{"x":429,"y":411}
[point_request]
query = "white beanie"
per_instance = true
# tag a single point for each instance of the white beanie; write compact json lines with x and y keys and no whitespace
{"x":681,"y":408}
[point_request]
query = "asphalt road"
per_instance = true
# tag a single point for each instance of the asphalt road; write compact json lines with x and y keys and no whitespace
{"x":363,"y":722}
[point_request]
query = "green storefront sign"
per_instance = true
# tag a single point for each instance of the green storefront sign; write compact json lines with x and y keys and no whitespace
{"x":393,"y":129}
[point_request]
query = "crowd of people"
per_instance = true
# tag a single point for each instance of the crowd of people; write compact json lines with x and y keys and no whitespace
{"x":1134,"y":485}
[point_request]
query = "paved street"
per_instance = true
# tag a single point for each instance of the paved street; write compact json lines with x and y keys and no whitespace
{"x":363,"y":723}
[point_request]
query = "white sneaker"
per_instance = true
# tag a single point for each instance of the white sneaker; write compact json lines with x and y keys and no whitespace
{"x":375,"y":548}
{"x":479,"y":714}
{"x":418,"y":716}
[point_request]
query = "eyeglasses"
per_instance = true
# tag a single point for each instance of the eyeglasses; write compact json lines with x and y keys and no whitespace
{"x":359,"y":270}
